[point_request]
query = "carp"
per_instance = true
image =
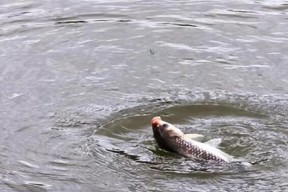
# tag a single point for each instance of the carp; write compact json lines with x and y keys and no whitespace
{"x":172,"y":139}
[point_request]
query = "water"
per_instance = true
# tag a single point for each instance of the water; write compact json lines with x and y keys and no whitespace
{"x":80,"y":82}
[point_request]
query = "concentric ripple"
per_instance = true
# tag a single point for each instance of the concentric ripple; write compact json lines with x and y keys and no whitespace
{"x":253,"y":136}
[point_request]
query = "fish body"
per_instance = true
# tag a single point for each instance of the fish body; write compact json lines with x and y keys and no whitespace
{"x":173,"y":139}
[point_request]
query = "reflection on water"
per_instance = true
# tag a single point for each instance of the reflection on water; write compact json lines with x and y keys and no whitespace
{"x":80,"y":82}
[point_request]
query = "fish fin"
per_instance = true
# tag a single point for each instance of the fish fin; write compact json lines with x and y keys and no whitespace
{"x":194,"y":136}
{"x":214,"y":142}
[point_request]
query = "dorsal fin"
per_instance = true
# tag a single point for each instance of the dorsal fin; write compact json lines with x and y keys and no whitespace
{"x":214,"y":142}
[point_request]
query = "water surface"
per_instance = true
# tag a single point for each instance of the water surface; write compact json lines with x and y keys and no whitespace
{"x":80,"y":82}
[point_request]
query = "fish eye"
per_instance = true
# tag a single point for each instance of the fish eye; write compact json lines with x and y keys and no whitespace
{"x":165,"y":125}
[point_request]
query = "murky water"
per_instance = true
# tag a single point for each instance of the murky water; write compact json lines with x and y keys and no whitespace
{"x":80,"y":81}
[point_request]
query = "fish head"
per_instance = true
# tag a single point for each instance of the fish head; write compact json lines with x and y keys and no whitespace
{"x":162,"y":133}
{"x":164,"y":129}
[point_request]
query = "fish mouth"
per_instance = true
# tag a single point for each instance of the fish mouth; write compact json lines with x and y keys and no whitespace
{"x":155,"y":122}
{"x":158,"y":123}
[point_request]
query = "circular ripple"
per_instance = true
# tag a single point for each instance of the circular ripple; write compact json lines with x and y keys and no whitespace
{"x":240,"y":130}
{"x":253,"y":128}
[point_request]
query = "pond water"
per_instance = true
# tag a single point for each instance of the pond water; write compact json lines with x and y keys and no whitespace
{"x":81,"y":80}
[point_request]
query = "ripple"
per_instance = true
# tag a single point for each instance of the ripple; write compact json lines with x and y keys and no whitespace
{"x":82,"y":80}
{"x":199,"y":49}
{"x":233,"y":13}
{"x":130,"y":136}
{"x":252,"y":127}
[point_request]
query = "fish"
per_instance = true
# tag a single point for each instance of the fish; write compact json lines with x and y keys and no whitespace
{"x":172,"y":139}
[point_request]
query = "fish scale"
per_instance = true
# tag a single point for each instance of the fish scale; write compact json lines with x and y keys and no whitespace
{"x":189,"y":150}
